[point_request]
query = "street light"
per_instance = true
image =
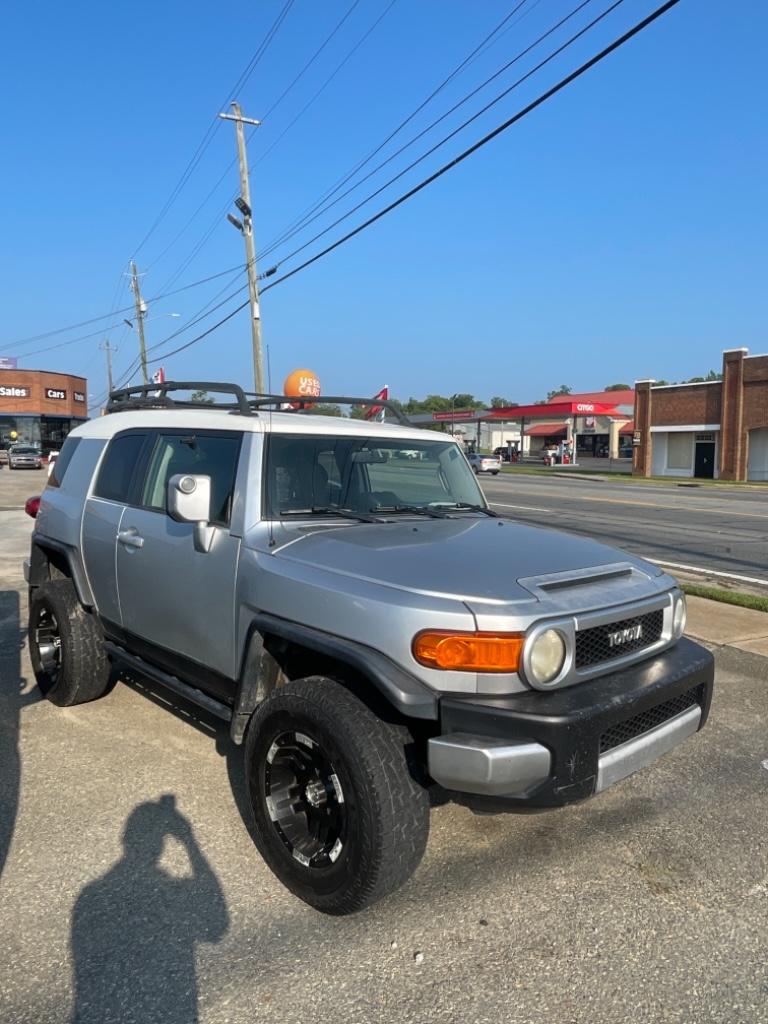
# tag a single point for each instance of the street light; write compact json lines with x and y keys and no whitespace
{"x":235,"y":222}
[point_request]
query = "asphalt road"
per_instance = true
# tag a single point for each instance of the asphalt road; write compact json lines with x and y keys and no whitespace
{"x":721,"y":529}
{"x":646,"y":904}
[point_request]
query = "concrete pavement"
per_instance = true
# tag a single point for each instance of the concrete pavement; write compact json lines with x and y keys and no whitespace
{"x":647,"y":904}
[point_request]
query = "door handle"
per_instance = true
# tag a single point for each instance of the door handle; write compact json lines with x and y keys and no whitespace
{"x":130,"y":538}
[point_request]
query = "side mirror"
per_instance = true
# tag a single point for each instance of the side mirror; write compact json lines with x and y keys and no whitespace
{"x":189,"y":501}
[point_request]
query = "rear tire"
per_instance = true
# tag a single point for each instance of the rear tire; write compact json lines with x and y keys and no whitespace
{"x":336,"y":814}
{"x":66,"y":646}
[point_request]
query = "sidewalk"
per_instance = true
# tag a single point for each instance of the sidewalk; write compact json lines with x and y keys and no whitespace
{"x":725,"y":625}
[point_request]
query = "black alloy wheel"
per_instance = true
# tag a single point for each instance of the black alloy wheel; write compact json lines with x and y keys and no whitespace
{"x":335,"y":811}
{"x":305,"y":800}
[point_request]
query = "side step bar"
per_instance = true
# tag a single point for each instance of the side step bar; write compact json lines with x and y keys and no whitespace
{"x":190,"y":693}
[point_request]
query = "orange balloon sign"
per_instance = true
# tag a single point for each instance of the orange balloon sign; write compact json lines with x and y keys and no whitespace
{"x":302,"y":382}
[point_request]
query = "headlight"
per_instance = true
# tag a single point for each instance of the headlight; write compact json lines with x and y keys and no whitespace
{"x":679,"y":617}
{"x":546,"y":657}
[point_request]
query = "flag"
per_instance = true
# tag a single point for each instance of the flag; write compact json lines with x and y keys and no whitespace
{"x":374,"y":411}
{"x":158,"y":377}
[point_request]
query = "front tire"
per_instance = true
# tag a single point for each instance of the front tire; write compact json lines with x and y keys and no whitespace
{"x":336,"y":814}
{"x":65,"y":646}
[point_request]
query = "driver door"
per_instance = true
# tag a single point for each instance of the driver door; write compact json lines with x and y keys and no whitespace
{"x":177,"y":602}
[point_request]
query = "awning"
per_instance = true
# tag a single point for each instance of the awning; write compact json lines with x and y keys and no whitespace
{"x":546,"y":430}
{"x":628,"y":428}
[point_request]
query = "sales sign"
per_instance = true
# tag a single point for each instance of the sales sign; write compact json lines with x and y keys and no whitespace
{"x":10,"y":391}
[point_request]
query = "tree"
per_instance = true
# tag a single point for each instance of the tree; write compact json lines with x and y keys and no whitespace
{"x":202,"y":397}
{"x":564,"y":389}
{"x":711,"y":376}
{"x":618,"y":387}
{"x":497,"y":402}
{"x":324,"y":409}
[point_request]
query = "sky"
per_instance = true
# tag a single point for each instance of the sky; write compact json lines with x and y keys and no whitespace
{"x":617,"y":232}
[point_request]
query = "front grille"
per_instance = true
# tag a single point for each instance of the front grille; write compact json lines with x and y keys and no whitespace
{"x":604,"y":643}
{"x":622,"y":732}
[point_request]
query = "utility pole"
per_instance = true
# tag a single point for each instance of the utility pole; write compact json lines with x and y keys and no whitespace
{"x":109,"y":349}
{"x":244,"y":206}
{"x":141,"y":309}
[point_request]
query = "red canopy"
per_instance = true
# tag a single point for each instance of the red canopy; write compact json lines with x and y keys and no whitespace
{"x":549,"y":409}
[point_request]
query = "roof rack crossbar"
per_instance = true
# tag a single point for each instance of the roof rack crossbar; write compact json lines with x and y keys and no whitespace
{"x":153,"y":396}
{"x":261,"y":401}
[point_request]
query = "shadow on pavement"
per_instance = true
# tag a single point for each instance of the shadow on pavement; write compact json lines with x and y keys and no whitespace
{"x":12,"y":700}
{"x":135,"y":929}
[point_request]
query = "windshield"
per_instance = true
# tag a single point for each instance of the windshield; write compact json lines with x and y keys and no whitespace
{"x":25,"y":449}
{"x":312,"y":474}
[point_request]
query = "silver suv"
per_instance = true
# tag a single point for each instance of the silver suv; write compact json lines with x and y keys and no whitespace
{"x":368,"y":628}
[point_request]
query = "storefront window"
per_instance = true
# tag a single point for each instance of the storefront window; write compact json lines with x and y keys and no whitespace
{"x":15,"y":429}
{"x":679,"y":451}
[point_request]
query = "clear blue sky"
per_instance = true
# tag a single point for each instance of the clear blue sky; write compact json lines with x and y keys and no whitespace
{"x":617,"y":232}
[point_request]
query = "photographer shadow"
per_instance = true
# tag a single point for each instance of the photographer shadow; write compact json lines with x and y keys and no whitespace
{"x":135,"y":929}
{"x":13,"y":700}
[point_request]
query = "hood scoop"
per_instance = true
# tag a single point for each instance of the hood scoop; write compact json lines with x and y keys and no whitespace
{"x":617,"y":583}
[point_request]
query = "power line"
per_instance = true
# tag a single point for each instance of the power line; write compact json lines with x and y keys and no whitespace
{"x":465,"y":154}
{"x":325,"y":207}
{"x":218,"y":217}
{"x":115,"y":312}
{"x":414,"y":163}
{"x":446,"y":81}
{"x":639,"y":27}
{"x":214,"y":125}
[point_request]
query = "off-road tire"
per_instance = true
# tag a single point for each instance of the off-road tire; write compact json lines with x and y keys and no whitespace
{"x":83,"y":672}
{"x":386,"y":812}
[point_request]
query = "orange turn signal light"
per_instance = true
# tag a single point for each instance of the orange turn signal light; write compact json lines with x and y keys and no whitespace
{"x":468,"y":652}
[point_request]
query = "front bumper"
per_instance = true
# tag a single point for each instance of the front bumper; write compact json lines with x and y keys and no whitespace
{"x":547,"y":750}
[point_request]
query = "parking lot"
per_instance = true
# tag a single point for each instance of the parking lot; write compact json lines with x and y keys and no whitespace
{"x":647,"y":904}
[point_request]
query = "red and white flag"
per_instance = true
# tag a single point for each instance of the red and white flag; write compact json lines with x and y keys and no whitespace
{"x":158,"y":377}
{"x":377,"y":410}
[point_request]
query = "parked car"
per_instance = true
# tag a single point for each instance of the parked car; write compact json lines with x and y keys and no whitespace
{"x":25,"y":456}
{"x":485,"y":463}
{"x":367,"y":630}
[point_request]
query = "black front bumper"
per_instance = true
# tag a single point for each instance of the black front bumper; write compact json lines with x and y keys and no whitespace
{"x":571,"y":722}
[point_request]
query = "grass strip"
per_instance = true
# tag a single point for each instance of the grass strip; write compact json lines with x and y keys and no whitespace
{"x":736,"y":597}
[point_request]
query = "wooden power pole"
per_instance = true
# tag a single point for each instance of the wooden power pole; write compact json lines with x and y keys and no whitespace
{"x":244,"y":206}
{"x":141,"y":310}
{"x":109,"y":349}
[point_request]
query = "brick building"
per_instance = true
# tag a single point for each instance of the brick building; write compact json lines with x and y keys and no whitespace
{"x":713,"y":429}
{"x":40,"y":407}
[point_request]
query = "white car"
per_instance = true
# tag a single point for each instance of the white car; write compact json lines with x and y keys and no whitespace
{"x":484,"y":463}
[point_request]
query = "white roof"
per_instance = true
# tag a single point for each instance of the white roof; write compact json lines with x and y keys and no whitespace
{"x":262,"y":423}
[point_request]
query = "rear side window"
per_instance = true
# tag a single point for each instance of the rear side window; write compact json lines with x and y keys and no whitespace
{"x":62,"y":460}
{"x":117,"y":469}
{"x":212,"y":455}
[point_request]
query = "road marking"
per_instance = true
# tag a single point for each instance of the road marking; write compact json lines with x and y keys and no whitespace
{"x":674,"y":508}
{"x":525,"y":508}
{"x":709,"y":572}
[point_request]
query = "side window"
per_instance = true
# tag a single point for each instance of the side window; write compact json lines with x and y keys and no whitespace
{"x":62,"y":461}
{"x":116,"y":471}
{"x":213,"y":455}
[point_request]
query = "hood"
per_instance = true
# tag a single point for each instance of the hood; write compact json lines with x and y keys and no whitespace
{"x":468,"y":559}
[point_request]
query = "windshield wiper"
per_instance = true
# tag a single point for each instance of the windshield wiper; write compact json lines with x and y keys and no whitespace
{"x":465,"y":506}
{"x":415,"y":510}
{"x":346,"y":513}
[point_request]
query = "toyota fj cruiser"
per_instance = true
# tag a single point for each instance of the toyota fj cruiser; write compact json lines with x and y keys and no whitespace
{"x":366,"y":625}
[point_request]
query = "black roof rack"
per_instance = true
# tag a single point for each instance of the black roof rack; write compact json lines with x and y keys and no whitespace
{"x":155,"y":396}
{"x":280,"y":401}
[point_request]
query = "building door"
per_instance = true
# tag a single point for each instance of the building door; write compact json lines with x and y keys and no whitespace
{"x":704,"y":465}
